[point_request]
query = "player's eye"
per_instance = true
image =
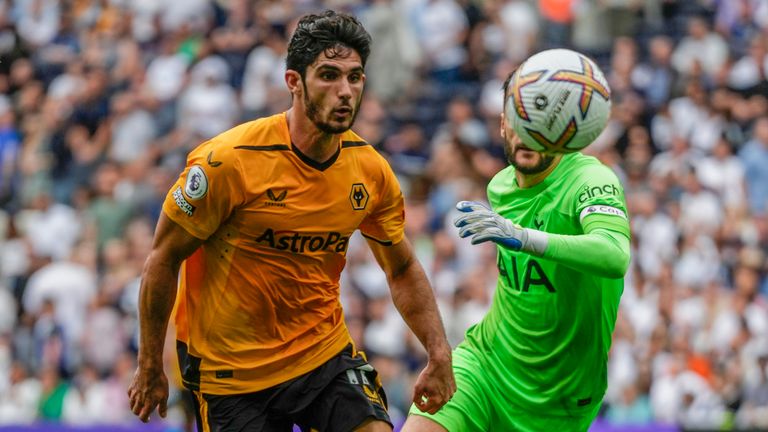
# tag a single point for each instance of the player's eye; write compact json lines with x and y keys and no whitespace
{"x":355,"y":78}
{"x":328,"y":76}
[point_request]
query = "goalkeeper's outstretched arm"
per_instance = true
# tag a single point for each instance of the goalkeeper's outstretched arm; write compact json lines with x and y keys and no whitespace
{"x":602,"y":250}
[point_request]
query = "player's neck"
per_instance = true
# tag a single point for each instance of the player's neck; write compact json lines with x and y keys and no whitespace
{"x":311,"y":141}
{"x":530,"y":180}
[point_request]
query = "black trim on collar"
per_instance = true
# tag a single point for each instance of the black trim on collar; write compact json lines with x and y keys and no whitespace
{"x":347,"y":144}
{"x":320,"y":166}
{"x":279,"y":147}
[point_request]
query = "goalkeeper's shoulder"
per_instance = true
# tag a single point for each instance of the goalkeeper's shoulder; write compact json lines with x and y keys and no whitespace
{"x":589,"y":169}
{"x":503,"y":179}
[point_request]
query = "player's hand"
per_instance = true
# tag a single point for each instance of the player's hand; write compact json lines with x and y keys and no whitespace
{"x":435,"y":385}
{"x":484,"y":224}
{"x":149,"y":389}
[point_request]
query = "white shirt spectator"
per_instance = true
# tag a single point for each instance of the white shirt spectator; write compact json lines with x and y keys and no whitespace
{"x":86,"y":406}
{"x":104,"y":338}
{"x":699,"y":262}
{"x":37,"y":21}
{"x":195,"y":14}
{"x":133,"y":130}
{"x":760,"y":12}
{"x":723,"y":173}
{"x":642,"y":311}
{"x":66,"y":87}
{"x":19,"y":404}
{"x":665,"y":394}
{"x":521,"y":24}
{"x":663,"y":130}
{"x":209,"y":105}
{"x":701,"y":46}
{"x":40,"y":225}
{"x":705,"y":134}
{"x":706,"y":410}
{"x":143,"y":15}
{"x":745,"y":73}
{"x":386,"y":335}
{"x":165,"y":76}
{"x":687,"y":116}
{"x":700,"y":209}
{"x":70,"y":286}
{"x":441,"y":26}
{"x":264,"y":72}
{"x":655,"y":233}
{"x":8,"y":311}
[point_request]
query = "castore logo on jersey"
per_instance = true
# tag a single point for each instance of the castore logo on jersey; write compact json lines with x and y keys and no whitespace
{"x":275,"y":200}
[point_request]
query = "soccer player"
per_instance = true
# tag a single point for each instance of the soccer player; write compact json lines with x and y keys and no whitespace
{"x":256,"y":228}
{"x":537,"y":360}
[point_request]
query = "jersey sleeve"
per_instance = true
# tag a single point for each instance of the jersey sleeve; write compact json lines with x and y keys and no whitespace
{"x":386,"y":223}
{"x":207,"y":191}
{"x":600,"y":202}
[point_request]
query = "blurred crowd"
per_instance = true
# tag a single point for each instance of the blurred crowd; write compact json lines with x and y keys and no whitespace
{"x":101,"y":100}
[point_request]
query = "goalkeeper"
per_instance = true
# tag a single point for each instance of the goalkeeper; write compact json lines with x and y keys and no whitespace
{"x":537,"y":360}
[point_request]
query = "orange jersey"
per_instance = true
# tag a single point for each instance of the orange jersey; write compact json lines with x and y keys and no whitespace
{"x":258,"y":303}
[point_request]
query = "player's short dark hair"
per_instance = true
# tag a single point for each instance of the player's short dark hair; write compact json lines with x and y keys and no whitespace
{"x":326,"y":32}
{"x":506,"y":84}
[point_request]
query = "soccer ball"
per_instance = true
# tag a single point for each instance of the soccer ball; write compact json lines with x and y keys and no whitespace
{"x":558,"y":101}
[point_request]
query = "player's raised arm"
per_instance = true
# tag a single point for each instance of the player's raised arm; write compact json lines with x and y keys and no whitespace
{"x":172,"y":244}
{"x":413,"y":297}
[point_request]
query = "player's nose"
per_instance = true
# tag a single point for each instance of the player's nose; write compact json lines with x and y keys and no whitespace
{"x":344,"y":90}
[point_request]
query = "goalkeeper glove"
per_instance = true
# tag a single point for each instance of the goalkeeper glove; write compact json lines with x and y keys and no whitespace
{"x":484,"y":224}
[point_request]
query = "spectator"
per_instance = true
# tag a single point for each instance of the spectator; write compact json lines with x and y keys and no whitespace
{"x":263,"y":80}
{"x":442,"y":28}
{"x":18,"y":403}
{"x":209,"y":105}
{"x":723,"y":173}
{"x":9,"y":150}
{"x":701,"y":51}
{"x":133,"y":129}
{"x":394,"y":53}
{"x":754,"y":156}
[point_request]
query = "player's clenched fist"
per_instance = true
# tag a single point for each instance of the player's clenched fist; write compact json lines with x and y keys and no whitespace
{"x":435,"y":385}
{"x":149,"y":389}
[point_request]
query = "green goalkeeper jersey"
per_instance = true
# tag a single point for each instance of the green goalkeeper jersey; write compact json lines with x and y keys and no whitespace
{"x":545,"y":340}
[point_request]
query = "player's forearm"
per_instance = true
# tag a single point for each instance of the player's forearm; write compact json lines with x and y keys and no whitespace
{"x":601,"y":252}
{"x":156,"y":298}
{"x":413,"y":298}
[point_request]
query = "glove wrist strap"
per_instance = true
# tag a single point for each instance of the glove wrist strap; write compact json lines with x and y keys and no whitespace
{"x":536,"y":243}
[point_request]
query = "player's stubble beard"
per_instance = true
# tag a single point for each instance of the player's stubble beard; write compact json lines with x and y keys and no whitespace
{"x":313,"y":113}
{"x":544,"y":162}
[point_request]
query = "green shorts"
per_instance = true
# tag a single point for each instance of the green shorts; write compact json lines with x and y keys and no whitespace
{"x":475,"y":407}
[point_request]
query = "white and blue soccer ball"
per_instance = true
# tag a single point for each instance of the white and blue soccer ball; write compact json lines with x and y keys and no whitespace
{"x":558,"y":101}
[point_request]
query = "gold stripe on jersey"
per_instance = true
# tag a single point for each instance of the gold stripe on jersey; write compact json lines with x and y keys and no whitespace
{"x":258,"y":303}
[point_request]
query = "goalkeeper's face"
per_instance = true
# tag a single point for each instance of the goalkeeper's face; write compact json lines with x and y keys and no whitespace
{"x":525,"y":160}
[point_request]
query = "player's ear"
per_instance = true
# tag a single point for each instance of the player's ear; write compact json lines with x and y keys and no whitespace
{"x":293,"y":81}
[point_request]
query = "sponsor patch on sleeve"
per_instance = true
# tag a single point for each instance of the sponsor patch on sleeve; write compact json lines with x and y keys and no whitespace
{"x":602,"y":209}
{"x":182,"y":202}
